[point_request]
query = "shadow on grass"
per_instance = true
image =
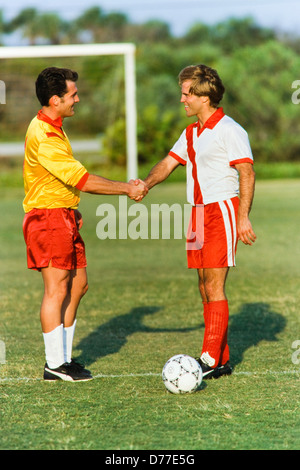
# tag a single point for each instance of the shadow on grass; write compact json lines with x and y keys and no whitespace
{"x":110,"y":337}
{"x":255,"y":322}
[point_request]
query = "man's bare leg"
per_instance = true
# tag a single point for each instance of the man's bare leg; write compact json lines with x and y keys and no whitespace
{"x":212,"y":283}
{"x":63,"y":291}
{"x":77,"y":288}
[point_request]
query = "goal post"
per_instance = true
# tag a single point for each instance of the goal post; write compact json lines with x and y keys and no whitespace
{"x":77,"y":50}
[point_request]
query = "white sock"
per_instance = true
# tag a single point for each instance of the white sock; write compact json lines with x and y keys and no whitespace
{"x":68,"y":341}
{"x":54,"y":349}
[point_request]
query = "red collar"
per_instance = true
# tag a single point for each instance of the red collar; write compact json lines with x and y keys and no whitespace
{"x":211,"y":122}
{"x":57,"y":123}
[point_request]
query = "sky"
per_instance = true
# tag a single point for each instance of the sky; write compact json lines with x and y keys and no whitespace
{"x":282,"y":15}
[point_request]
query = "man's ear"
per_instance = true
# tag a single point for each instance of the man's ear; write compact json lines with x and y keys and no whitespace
{"x":54,"y":100}
{"x":204,"y":99}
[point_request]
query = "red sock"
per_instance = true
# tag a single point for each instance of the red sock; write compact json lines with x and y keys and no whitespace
{"x":216,"y":317}
{"x":205,"y":316}
{"x":224,"y":356}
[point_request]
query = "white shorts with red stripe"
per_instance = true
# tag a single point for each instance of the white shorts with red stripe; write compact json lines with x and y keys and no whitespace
{"x":219,"y":235}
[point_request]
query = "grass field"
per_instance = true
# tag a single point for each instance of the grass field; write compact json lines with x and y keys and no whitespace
{"x":142,"y":307}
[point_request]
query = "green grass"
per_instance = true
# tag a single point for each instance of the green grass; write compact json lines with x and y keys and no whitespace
{"x":142,"y":307}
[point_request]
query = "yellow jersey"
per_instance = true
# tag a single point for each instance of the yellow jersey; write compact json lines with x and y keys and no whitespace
{"x":52,"y":176}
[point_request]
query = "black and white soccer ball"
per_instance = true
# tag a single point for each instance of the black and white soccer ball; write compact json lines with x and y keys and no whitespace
{"x":182,"y":374}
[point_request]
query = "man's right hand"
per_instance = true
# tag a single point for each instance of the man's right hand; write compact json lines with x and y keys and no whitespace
{"x":138,"y":190}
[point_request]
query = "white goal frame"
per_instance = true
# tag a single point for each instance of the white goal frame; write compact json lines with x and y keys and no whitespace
{"x":76,"y":50}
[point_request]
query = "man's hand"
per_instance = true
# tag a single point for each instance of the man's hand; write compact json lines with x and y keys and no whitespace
{"x":245,"y":231}
{"x":78,"y":218}
{"x":138,"y":190}
{"x":247,"y":181}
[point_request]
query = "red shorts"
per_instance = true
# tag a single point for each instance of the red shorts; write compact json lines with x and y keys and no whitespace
{"x":52,"y":235}
{"x":217,"y":242}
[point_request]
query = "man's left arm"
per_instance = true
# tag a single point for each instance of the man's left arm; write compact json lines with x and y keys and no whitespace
{"x":247,"y":183}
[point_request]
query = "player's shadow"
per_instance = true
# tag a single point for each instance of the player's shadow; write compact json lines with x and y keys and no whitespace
{"x":110,"y":337}
{"x":254,"y":323}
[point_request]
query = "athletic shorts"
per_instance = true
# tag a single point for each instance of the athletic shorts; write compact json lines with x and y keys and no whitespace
{"x":52,"y":235}
{"x":215,"y":226}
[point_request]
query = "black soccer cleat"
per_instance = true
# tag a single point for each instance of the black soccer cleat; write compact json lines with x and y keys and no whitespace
{"x":77,"y":365}
{"x":214,"y":373}
{"x":69,"y":372}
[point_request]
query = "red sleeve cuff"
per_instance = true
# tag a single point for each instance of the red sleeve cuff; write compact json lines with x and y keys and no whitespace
{"x":180,"y":160}
{"x":82,"y":181}
{"x":241,"y":160}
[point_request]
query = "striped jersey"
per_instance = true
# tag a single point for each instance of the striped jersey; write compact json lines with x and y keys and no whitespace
{"x":52,"y":176}
{"x":210,"y":155}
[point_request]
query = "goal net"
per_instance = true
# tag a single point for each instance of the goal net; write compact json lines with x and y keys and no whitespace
{"x":106,"y":88}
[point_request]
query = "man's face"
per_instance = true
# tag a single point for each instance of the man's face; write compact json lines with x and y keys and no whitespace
{"x":193,"y":104}
{"x":67,"y":102}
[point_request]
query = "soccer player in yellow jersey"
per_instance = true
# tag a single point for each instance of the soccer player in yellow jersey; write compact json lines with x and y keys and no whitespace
{"x":53,"y":179}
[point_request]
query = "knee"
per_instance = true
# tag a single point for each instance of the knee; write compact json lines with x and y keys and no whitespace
{"x":80,"y":284}
{"x":85,"y":288}
{"x":201,"y":285}
{"x":207,"y":287}
{"x":210,"y":287}
{"x":59,"y":290}
{"x":214,"y":291}
{"x":202,"y":291}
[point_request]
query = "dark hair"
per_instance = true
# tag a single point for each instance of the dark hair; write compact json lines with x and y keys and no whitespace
{"x":205,"y":82}
{"x":52,"y":81}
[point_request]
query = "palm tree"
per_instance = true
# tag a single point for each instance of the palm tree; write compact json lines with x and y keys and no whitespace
{"x":91,"y":20}
{"x":26,"y":21}
{"x":51,"y":27}
{"x":35,"y":26}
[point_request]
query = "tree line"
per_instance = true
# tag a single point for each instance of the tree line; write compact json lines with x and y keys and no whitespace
{"x":94,"y":25}
{"x":257,"y":65}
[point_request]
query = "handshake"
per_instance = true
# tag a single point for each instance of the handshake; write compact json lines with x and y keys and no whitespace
{"x":138,"y":190}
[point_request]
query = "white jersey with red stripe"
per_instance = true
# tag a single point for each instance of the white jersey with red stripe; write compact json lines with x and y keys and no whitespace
{"x":210,"y":155}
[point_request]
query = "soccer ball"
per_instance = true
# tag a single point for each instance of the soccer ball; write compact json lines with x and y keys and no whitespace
{"x":182,"y":374}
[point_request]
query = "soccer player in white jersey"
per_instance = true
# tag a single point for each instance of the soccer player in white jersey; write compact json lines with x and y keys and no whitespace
{"x":220,"y":185}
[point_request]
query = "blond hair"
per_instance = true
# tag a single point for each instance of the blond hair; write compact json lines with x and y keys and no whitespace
{"x":205,"y":82}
